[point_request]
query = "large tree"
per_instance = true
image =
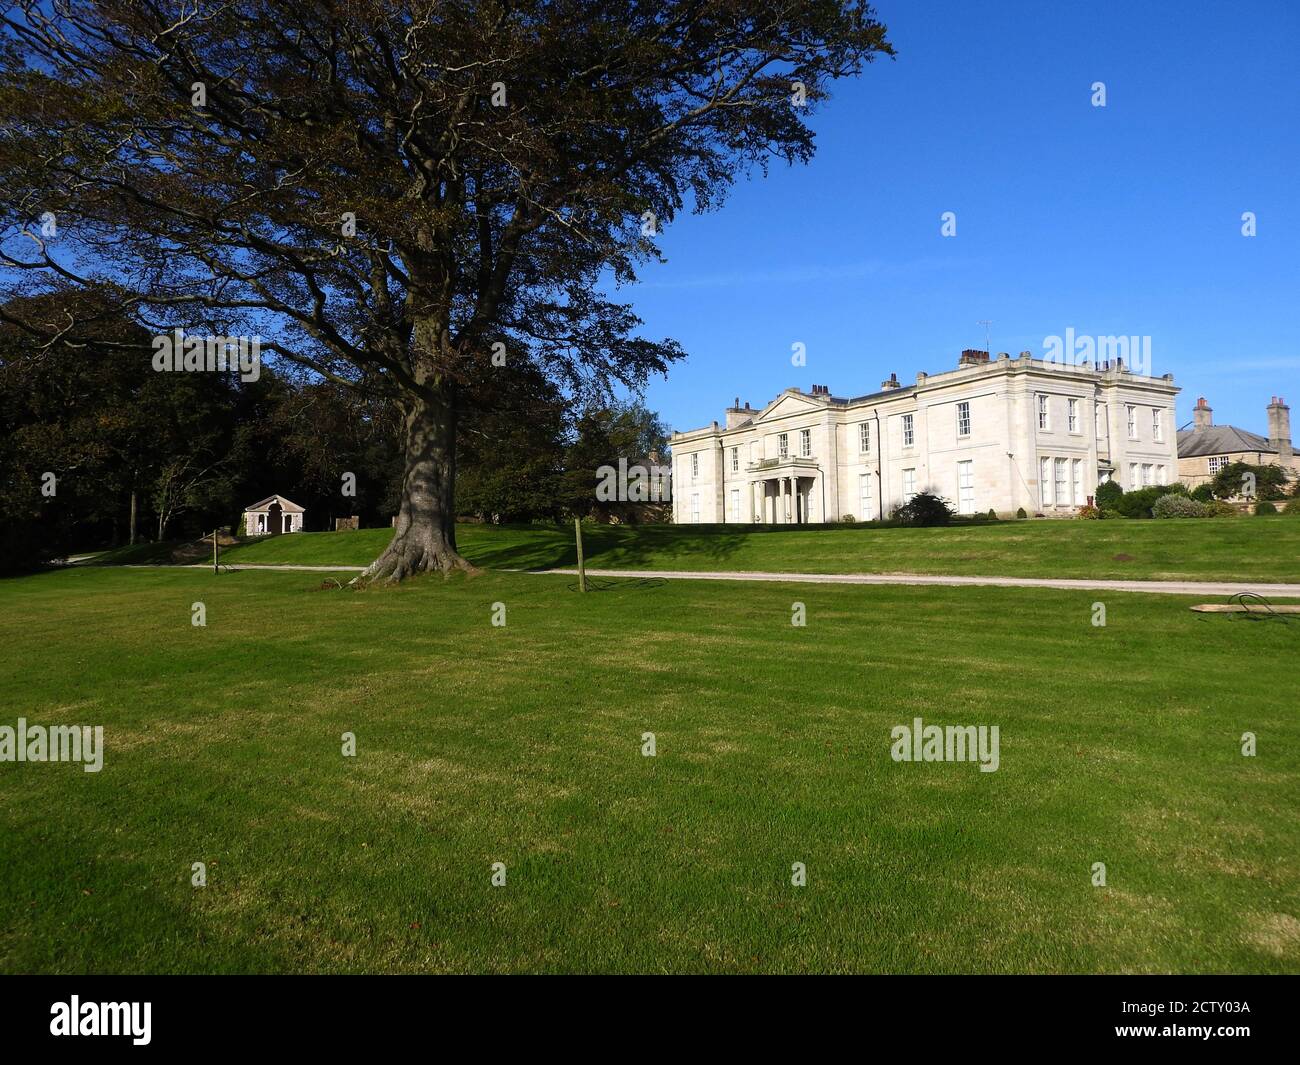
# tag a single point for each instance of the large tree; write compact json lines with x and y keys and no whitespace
{"x":393,"y":194}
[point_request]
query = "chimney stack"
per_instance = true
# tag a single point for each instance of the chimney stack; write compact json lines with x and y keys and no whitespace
{"x":1279,"y":430}
{"x":891,"y":384}
{"x":1202,"y":416}
{"x":738,"y":415}
{"x":973,"y":357}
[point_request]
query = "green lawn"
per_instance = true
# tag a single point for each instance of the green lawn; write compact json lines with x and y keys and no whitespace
{"x":1243,"y":549}
{"x":521,"y":745}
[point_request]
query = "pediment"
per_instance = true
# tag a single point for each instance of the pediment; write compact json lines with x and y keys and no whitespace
{"x":788,"y":403}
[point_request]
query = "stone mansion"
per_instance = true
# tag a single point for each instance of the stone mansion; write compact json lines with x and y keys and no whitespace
{"x":994,"y":434}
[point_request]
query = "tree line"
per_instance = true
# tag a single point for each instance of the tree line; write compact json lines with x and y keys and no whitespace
{"x":101,"y":449}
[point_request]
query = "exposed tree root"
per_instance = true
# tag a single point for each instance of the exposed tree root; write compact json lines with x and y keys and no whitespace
{"x":409,"y":555}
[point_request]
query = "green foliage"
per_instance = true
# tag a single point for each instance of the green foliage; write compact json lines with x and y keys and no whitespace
{"x":992,"y":515}
{"x":1108,"y":494}
{"x":1292,"y":507}
{"x":1231,"y":481}
{"x":1089,"y":512}
{"x":1020,"y":512}
{"x":924,"y":509}
{"x":604,"y":435}
{"x":1176,"y":505}
{"x":511,"y":448}
{"x":1204,"y":493}
{"x":1264,"y":508}
{"x":1138,"y":504}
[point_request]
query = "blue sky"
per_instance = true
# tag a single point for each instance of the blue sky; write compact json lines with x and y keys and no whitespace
{"x":1122,"y":220}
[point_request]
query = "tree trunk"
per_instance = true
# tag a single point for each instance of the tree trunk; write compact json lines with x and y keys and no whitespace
{"x":425,"y":537}
{"x":132,"y":531}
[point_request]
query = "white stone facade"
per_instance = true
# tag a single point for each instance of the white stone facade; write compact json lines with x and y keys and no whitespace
{"x":1000,"y":434}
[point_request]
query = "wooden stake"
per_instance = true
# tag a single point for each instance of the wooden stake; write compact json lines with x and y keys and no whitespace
{"x":582,"y":566}
{"x":214,"y":552}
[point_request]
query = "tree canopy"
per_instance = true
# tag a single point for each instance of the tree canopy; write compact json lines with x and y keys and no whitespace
{"x":401,"y":197}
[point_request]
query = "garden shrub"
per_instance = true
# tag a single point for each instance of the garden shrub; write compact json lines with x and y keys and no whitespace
{"x":1265,"y":508}
{"x":1108,"y":494}
{"x":1292,"y":507}
{"x":1176,"y":505}
{"x":924,"y":509}
{"x":1089,"y":512}
{"x":1020,"y":512}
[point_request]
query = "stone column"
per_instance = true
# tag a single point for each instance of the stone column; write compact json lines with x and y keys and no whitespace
{"x":780,"y":500}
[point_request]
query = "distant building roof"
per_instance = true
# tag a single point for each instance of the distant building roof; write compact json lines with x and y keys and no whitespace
{"x":1221,"y":440}
{"x":285,"y":504}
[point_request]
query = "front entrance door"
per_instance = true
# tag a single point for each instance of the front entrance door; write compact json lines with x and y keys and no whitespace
{"x":274,"y":519}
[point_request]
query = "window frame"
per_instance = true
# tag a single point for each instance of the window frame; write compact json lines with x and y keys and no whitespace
{"x":805,"y":443}
{"x":963,"y":415}
{"x":909,"y":430}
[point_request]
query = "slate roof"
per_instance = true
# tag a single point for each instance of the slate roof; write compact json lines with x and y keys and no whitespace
{"x":1221,"y":440}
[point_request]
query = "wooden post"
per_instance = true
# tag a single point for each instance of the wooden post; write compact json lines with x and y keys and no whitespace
{"x":214,"y":552}
{"x":582,"y":566}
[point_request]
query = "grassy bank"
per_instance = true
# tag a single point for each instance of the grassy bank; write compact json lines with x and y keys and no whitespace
{"x":1243,"y":549}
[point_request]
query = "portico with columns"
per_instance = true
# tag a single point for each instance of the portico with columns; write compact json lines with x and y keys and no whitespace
{"x":782,"y":492}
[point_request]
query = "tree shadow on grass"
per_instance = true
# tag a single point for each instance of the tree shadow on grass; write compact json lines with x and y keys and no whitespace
{"x":620,"y":584}
{"x":612,"y":546}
